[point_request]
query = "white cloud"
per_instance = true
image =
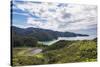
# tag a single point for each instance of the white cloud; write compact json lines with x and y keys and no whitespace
{"x":70,"y":17}
{"x":25,"y":14}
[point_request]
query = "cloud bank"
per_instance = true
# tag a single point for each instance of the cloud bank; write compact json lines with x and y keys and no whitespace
{"x":58,"y":16}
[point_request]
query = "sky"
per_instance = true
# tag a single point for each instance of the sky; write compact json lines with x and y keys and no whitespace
{"x":78,"y":18}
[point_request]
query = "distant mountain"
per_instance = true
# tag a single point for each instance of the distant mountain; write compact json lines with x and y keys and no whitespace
{"x":42,"y":34}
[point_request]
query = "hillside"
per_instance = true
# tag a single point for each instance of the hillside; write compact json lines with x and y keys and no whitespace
{"x":65,"y":52}
{"x":42,"y":34}
{"x":73,"y":51}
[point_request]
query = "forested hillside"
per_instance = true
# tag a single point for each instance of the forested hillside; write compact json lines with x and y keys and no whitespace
{"x":41,"y":34}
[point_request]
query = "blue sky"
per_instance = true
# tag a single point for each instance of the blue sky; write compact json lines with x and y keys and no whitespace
{"x":55,"y":16}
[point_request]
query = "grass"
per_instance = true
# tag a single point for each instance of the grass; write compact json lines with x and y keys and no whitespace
{"x":40,"y":55}
{"x":70,"y":52}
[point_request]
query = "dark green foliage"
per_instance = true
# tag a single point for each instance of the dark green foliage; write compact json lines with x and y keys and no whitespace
{"x":19,"y":41}
{"x":95,"y":39}
{"x":59,"y":45}
{"x":29,"y":41}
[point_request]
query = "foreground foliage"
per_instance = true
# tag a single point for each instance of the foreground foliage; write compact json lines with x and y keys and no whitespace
{"x":60,"y":52}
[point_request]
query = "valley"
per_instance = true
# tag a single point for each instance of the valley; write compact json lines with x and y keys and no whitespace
{"x":34,"y":46}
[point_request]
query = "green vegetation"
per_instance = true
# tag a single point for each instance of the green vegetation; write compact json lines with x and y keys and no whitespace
{"x":60,"y":52}
{"x":41,"y":34}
